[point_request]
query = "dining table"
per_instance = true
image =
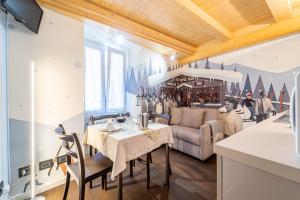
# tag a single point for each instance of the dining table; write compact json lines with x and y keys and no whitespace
{"x":129,"y":142}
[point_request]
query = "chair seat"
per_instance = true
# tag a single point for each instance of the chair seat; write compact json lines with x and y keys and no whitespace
{"x":95,"y":166}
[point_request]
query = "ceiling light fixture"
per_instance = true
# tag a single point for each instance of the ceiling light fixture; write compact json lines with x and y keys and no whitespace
{"x":120,"y":39}
{"x":172,"y":57}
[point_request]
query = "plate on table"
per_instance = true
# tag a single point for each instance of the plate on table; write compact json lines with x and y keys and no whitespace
{"x":113,"y":129}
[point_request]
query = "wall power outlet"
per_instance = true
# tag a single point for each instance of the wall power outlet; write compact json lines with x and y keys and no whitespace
{"x":24,"y":171}
{"x":45,"y":164}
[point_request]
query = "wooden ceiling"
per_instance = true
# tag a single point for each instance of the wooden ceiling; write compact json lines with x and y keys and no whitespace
{"x":195,"y":29}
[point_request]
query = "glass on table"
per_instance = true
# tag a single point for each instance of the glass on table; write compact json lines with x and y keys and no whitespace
{"x":130,"y":123}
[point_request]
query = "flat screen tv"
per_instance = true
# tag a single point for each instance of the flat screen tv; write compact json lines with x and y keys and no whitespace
{"x":27,"y":12}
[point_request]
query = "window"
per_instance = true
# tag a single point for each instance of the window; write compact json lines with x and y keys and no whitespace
{"x":104,"y":84}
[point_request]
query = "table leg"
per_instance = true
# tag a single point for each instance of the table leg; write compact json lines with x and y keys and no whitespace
{"x":120,"y":186}
{"x":131,"y":168}
{"x":167,"y":167}
{"x":148,"y":170}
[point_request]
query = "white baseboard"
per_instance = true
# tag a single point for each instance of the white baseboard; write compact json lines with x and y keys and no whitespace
{"x":42,"y":188}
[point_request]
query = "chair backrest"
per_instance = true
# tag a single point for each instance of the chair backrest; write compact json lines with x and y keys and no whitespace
{"x":67,"y":144}
{"x":60,"y":129}
{"x":95,"y":118}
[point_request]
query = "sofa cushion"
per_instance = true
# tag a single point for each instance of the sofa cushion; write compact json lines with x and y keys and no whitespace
{"x":187,"y":134}
{"x":176,"y":116}
{"x":192,"y":117}
{"x":211,"y":114}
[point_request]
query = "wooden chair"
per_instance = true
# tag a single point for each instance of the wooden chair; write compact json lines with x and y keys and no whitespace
{"x":86,"y":169}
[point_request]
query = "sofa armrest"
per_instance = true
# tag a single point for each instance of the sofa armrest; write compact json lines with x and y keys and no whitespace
{"x":205,"y":134}
{"x":161,"y":120}
{"x":206,"y":144}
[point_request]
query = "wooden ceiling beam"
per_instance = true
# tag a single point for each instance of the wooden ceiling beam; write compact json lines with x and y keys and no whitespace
{"x":273,"y":31}
{"x":206,"y":18}
{"x":280,"y":9}
{"x":88,"y":10}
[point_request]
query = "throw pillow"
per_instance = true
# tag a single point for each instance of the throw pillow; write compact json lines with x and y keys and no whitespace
{"x":192,"y":117}
{"x":176,"y":115}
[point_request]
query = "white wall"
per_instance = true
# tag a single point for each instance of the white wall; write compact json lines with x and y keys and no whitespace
{"x":57,"y":52}
{"x":276,"y":56}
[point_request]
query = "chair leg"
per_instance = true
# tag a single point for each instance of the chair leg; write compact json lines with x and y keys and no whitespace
{"x":96,"y":151}
{"x":81,"y":191}
{"x":131,"y":167}
{"x":105,"y":182}
{"x":91,"y":150}
{"x":67,"y":186}
{"x":102,"y":182}
{"x":170,"y":169}
{"x":148,"y":170}
{"x":91,"y":184}
{"x":150,"y":155}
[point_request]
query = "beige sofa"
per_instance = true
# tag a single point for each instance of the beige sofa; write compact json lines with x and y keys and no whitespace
{"x":191,"y":133}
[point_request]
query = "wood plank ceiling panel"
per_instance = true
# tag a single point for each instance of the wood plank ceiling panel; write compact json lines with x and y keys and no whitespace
{"x":280,"y":9}
{"x":271,"y":32}
{"x":165,"y":16}
{"x":237,"y":14}
{"x":182,"y":26}
{"x":84,"y":9}
{"x":295,"y":4}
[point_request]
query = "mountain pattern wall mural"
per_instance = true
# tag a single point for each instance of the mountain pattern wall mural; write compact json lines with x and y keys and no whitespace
{"x":237,"y":89}
{"x":247,"y":86}
{"x":259,"y":87}
{"x":276,"y":83}
{"x":225,"y":88}
{"x":271,"y":93}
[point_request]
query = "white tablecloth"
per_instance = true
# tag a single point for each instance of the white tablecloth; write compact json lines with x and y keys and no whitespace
{"x":127,"y":144}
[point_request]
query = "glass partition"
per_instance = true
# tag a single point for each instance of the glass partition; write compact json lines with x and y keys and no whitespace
{"x":4,"y":152}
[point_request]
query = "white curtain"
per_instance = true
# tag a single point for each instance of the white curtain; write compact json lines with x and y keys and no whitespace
{"x":94,"y":93}
{"x":116,"y":89}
